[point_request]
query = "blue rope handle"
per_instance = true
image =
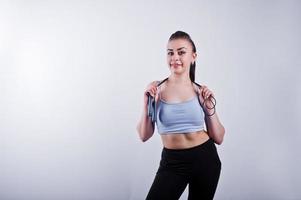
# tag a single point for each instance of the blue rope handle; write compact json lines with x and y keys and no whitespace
{"x":151,"y":107}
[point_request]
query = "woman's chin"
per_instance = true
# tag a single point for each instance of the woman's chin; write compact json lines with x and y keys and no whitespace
{"x":177,"y":72}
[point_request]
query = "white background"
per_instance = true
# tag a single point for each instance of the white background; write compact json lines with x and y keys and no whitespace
{"x":72,"y":77}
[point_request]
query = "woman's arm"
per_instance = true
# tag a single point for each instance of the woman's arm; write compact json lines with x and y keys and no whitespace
{"x":145,"y":126}
{"x":215,"y":129}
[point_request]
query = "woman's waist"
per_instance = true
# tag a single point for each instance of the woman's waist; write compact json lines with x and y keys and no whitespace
{"x":184,"y":140}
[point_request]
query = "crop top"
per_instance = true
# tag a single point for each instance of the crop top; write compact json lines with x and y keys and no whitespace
{"x":183,"y":117}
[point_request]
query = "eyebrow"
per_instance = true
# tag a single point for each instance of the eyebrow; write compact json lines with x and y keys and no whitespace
{"x":177,"y":49}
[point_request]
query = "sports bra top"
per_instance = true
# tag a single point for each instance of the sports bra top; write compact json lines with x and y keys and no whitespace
{"x":183,"y":117}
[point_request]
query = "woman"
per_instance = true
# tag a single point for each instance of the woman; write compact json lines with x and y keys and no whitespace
{"x":189,"y":154}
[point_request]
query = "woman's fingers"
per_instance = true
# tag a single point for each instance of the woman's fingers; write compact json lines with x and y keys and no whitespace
{"x":152,"y":90}
{"x":206,"y":93}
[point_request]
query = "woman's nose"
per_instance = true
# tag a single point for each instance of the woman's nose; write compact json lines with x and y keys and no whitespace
{"x":175,"y":57}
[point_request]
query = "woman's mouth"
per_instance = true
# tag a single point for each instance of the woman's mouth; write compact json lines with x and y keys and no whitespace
{"x":176,"y":65}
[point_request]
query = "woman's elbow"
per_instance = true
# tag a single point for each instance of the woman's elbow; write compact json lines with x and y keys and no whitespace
{"x":219,"y":140}
{"x":144,"y":139}
{"x":142,"y":136}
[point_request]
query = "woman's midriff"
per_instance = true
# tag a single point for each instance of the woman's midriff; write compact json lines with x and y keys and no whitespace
{"x":184,"y":141}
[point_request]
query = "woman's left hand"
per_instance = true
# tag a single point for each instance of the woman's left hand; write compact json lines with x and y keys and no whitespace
{"x":205,"y":93}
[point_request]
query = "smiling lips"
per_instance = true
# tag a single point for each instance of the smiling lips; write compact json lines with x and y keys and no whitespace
{"x":176,"y":65}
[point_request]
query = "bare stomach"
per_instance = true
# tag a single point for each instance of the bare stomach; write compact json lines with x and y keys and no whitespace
{"x":184,"y":141}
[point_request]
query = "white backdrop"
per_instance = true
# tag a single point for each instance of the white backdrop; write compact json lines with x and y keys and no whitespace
{"x":72,"y":76}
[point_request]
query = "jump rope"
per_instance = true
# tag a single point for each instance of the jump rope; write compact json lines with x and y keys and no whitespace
{"x":152,"y":107}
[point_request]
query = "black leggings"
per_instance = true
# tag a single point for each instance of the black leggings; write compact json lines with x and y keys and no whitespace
{"x":198,"y":166}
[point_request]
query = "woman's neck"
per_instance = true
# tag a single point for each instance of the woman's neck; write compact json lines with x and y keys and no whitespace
{"x":179,"y":79}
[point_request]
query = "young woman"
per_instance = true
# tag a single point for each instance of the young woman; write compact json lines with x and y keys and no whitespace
{"x":189,"y":155}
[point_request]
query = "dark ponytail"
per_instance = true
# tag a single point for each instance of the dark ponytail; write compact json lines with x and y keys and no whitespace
{"x":192,"y":72}
{"x":183,"y":35}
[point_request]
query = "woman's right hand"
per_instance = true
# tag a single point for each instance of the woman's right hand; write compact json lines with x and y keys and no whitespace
{"x":151,"y":89}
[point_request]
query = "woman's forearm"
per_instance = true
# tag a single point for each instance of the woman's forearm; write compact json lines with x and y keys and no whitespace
{"x":214,"y":128}
{"x":145,"y":126}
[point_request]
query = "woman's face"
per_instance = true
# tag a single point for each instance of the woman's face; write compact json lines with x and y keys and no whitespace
{"x":180,"y":56}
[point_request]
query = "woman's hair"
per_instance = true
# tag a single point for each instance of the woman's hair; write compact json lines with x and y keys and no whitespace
{"x":183,"y":35}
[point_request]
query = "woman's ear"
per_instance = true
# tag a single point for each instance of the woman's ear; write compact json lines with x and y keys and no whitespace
{"x":194,"y":55}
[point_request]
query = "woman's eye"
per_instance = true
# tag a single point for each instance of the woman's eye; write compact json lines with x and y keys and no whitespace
{"x":181,"y":52}
{"x":170,"y":53}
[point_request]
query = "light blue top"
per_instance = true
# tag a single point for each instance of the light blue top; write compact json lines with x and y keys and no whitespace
{"x":183,"y":117}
